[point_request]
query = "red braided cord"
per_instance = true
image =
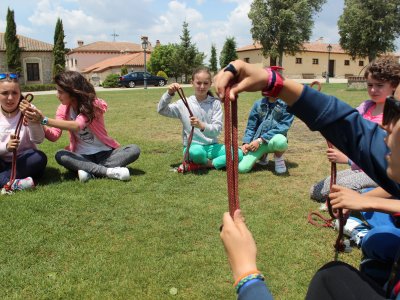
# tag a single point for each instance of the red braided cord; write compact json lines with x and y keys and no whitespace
{"x":189,"y":141}
{"x":7,"y":186}
{"x":339,"y":245}
{"x":231,"y":149}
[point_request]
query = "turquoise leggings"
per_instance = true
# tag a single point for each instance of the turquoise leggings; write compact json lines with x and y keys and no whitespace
{"x":200,"y":154}
{"x":278,"y":143}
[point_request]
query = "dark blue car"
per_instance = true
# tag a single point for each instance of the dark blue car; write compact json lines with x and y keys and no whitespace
{"x":137,"y":78}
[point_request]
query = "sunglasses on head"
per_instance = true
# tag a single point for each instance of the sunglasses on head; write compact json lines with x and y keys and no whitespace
{"x":8,"y":75}
{"x":391,"y":111}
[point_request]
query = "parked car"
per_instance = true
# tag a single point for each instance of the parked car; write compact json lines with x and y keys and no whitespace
{"x":137,"y":78}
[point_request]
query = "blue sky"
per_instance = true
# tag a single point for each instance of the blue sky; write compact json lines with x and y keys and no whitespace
{"x":210,"y":21}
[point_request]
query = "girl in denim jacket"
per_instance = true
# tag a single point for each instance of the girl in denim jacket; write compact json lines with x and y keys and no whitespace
{"x":266,"y":132}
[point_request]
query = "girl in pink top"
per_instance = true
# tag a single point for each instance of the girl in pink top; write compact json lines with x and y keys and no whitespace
{"x":383,"y":76}
{"x":91,"y":152}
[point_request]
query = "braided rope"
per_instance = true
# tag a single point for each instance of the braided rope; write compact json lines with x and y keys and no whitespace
{"x":189,"y":142}
{"x":339,"y":244}
{"x":231,"y":149}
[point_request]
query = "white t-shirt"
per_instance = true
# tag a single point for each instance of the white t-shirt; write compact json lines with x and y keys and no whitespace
{"x":86,"y":142}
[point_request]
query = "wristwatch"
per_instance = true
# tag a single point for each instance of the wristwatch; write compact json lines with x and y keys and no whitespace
{"x":45,"y":121}
{"x":260,"y":141}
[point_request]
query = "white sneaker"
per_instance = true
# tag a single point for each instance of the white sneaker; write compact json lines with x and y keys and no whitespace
{"x":280,"y":166}
{"x":23,"y":184}
{"x":354,"y":228}
{"x":84,"y":176}
{"x":120,"y":173}
{"x":263,"y":160}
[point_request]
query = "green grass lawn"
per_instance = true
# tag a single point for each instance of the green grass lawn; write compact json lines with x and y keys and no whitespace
{"x":108,"y":239}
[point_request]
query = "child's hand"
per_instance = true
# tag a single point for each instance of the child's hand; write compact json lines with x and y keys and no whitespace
{"x":335,"y":156}
{"x":253,"y":146}
{"x":24,"y":105}
{"x":13,"y":143}
{"x":173,"y":88}
{"x":195,"y":122}
{"x":239,"y":244}
{"x":245,"y":148}
{"x":33,"y":115}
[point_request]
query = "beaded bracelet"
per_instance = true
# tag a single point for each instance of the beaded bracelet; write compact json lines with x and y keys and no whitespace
{"x":250,"y":277}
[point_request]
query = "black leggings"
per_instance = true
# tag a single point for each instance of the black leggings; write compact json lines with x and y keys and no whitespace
{"x":340,"y":281}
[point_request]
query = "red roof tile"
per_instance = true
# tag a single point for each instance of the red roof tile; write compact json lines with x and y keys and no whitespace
{"x":110,"y":47}
{"x":27,"y":44}
{"x":310,"y":47}
{"x":129,"y":60}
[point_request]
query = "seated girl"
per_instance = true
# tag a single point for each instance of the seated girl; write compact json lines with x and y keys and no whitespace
{"x":31,"y":162}
{"x":204,"y":151}
{"x":266,"y":132}
{"x":91,"y":152}
{"x":383,"y":76}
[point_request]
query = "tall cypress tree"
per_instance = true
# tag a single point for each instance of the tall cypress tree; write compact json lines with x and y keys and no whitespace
{"x":213,"y":59}
{"x":13,"y":52}
{"x":228,"y":52}
{"x":59,"y":48}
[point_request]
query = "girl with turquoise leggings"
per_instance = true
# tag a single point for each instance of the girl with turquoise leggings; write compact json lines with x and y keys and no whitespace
{"x":266,"y":132}
{"x":204,"y":151}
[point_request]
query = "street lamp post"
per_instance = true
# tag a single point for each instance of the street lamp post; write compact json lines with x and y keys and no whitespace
{"x":329,"y":48}
{"x":145,"y":42}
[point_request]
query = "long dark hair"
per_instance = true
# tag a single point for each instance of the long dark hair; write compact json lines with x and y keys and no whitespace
{"x":206,"y":70}
{"x":81,"y":89}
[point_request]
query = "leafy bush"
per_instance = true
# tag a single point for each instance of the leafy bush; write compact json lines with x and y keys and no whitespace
{"x":111,"y":81}
{"x":124,"y":70}
{"x":162,"y":74}
{"x":38,"y":87}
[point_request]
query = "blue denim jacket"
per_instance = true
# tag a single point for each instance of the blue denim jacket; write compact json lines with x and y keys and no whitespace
{"x":267,"y":119}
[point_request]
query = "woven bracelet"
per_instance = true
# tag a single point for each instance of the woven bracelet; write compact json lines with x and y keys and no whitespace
{"x":248,"y":278}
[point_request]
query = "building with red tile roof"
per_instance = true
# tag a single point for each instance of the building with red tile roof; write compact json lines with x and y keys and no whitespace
{"x":99,"y":71}
{"x":313,"y":62}
{"x":36,"y":59}
{"x":84,"y":56}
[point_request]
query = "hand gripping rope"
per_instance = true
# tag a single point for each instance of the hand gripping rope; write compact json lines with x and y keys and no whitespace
{"x":7,"y":187}
{"x":339,"y":245}
{"x":189,"y":142}
{"x":231,"y":149}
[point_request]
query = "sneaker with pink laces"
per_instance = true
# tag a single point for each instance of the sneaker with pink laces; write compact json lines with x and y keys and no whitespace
{"x":188,"y":167}
{"x":23,"y":184}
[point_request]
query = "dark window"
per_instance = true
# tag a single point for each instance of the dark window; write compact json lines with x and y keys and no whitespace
{"x":247,"y":59}
{"x":32,"y":70}
{"x":361,"y":63}
{"x":315,"y":61}
{"x":299,"y":60}
{"x":346,"y":62}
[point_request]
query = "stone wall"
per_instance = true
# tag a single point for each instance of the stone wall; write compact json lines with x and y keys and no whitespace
{"x":44,"y":59}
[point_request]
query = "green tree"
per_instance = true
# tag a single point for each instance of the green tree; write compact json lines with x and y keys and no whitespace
{"x":187,"y":53}
{"x":282,"y":26}
{"x":13,"y":51}
{"x":228,"y":52}
{"x":213,"y":59}
{"x":161,"y":59}
{"x":59,"y":48}
{"x":369,"y":28}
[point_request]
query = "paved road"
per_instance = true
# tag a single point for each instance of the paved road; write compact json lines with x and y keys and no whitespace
{"x":99,"y":88}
